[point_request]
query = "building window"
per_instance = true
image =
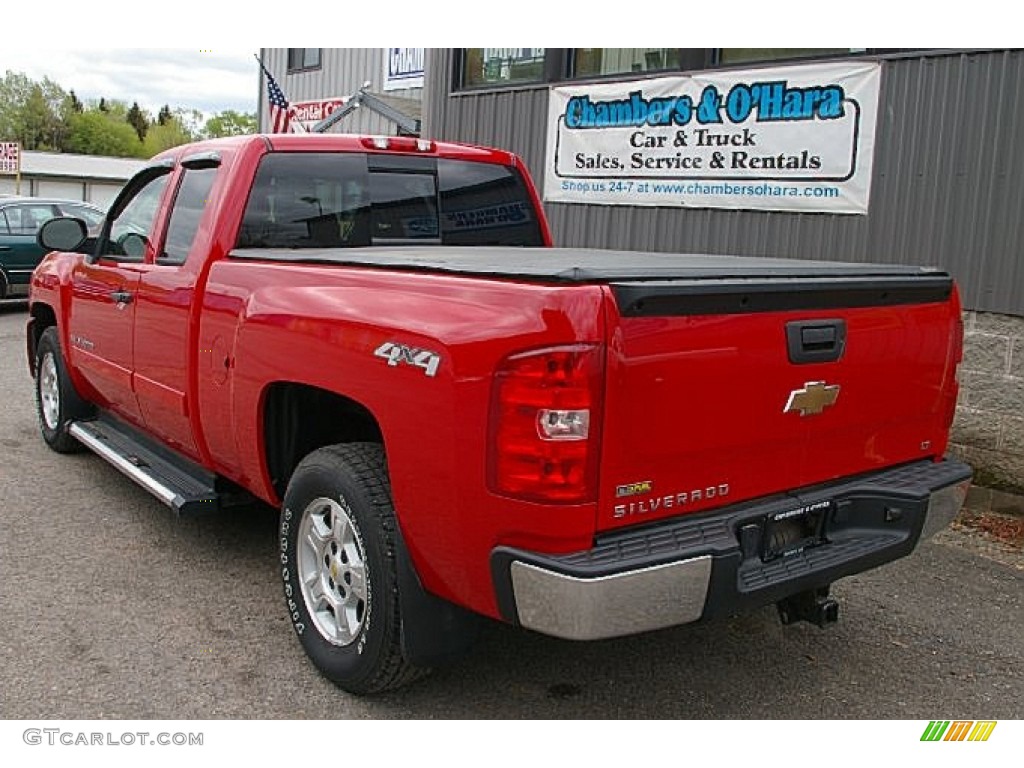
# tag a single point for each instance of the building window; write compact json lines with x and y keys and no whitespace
{"x":744,"y":55}
{"x":493,"y":66}
{"x":500,"y":67}
{"x":303,"y":58}
{"x":594,"y":62}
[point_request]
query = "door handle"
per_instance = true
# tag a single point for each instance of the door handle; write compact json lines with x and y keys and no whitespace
{"x":5,"y":247}
{"x":121,"y":297}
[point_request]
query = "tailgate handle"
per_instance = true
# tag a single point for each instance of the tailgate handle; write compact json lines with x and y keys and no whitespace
{"x":815,"y":341}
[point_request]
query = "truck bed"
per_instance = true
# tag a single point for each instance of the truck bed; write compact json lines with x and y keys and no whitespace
{"x":655,"y":284}
{"x":581,"y":265}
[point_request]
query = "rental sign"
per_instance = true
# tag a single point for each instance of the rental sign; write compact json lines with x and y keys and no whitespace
{"x":309,"y":113}
{"x":797,"y":138}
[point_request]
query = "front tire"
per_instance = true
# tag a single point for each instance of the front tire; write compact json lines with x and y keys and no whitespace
{"x":338,"y":563}
{"x":57,"y":402}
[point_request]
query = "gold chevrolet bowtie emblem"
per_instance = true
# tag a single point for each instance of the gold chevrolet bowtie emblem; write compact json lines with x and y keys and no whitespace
{"x":812,"y":399}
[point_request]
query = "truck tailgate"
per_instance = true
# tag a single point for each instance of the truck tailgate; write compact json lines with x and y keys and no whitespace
{"x":724,"y":390}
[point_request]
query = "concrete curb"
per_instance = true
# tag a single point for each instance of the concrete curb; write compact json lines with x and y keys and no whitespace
{"x":982,"y":499}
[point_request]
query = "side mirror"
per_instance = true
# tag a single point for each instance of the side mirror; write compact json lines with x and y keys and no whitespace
{"x":62,"y":234}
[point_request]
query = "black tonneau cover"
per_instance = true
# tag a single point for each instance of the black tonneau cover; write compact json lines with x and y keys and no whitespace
{"x":657,"y":284}
{"x":576,"y":265}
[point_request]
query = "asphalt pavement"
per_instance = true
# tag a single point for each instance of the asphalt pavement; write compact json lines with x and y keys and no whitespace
{"x":110,"y":607}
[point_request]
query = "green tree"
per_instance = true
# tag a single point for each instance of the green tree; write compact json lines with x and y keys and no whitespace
{"x":43,"y":116}
{"x":230,"y":123}
{"x":32,"y":112}
{"x":191,"y":121}
{"x":138,"y":120}
{"x":94,"y":132}
{"x":164,"y":136}
{"x":118,"y":110}
{"x":14,"y":91}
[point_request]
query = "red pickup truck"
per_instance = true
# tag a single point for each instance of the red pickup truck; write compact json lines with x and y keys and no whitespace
{"x":458,"y":420}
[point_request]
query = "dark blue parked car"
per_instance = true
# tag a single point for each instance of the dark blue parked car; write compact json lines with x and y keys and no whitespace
{"x":20,"y":219}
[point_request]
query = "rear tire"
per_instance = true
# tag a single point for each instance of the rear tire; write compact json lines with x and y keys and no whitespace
{"x":338,"y":562}
{"x":57,"y":402}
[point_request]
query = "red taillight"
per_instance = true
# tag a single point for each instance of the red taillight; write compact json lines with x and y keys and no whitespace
{"x":958,"y":341}
{"x":545,"y":420}
{"x":956,"y":355}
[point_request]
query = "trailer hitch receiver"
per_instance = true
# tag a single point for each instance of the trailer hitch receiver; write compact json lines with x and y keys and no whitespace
{"x":814,"y":606}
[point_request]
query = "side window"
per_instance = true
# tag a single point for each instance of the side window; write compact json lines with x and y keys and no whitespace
{"x":88,"y":215}
{"x":27,"y":219}
{"x":4,"y":227}
{"x":193,"y":195}
{"x":131,"y":233}
{"x":13,"y":215}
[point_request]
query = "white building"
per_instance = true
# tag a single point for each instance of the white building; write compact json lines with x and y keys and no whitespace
{"x":76,"y":177}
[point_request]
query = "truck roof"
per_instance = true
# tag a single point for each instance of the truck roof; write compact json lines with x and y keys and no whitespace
{"x":347,"y":142}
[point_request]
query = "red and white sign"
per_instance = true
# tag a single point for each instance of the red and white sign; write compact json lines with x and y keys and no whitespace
{"x":10,"y":157}
{"x":309,"y":113}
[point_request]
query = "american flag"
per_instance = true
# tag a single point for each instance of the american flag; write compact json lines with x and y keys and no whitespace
{"x":280,"y":110}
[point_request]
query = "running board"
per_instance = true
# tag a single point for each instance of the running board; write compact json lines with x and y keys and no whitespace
{"x":184,"y":487}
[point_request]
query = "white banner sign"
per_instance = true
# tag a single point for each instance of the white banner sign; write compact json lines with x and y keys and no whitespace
{"x":10,"y":157}
{"x":796,"y":138}
{"x":403,"y":68}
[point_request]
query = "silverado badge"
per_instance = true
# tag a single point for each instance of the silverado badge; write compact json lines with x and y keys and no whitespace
{"x":812,"y":399}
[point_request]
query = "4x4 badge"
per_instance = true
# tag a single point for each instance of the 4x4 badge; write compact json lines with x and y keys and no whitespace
{"x":812,"y":399}
{"x":418,"y":358}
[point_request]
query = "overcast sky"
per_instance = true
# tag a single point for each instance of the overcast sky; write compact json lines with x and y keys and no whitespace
{"x":210,"y":81}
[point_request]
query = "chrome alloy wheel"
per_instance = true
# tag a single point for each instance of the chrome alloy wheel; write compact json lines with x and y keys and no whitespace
{"x":49,"y":391}
{"x":332,"y":571}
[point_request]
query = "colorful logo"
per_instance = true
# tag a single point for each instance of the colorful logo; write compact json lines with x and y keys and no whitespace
{"x":958,"y":730}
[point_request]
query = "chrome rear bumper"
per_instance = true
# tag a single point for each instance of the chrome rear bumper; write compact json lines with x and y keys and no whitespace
{"x":943,"y":506}
{"x":609,"y":606}
{"x":686,"y":569}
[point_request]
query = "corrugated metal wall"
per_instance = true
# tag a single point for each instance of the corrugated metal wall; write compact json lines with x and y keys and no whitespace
{"x":342,"y":73}
{"x":947,"y":186}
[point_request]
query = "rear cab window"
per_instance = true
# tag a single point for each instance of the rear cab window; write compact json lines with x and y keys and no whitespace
{"x":353,"y":200}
